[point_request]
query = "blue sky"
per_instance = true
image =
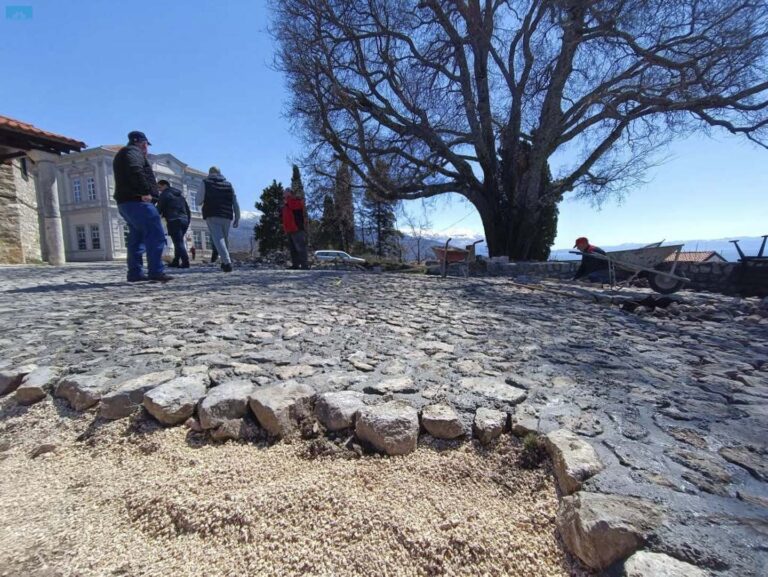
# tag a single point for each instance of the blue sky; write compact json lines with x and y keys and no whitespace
{"x":195,"y":76}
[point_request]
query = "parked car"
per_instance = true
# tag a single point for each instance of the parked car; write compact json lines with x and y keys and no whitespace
{"x":337,"y":257}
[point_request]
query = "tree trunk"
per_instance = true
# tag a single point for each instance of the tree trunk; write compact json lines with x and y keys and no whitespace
{"x":524,"y":233}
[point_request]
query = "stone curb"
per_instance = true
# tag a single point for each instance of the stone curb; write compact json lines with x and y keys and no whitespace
{"x":599,"y":529}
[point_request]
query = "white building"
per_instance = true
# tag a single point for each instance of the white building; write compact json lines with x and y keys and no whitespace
{"x":93,"y":228}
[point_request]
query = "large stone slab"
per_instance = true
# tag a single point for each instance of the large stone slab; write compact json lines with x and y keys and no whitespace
{"x":441,"y":421}
{"x":647,"y":564}
{"x":173,"y":402}
{"x":489,"y":424}
{"x":10,"y":378}
{"x":392,"y":428}
{"x":601,"y":529}
{"x":36,"y":385}
{"x":494,"y":388}
{"x":83,"y":391}
{"x":127,"y":398}
{"x":573,"y":458}
{"x":227,"y":401}
{"x":337,"y":410}
{"x":279,"y":408}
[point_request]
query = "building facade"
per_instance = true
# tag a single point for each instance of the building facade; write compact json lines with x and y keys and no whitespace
{"x":30,"y":222}
{"x":93,"y":228}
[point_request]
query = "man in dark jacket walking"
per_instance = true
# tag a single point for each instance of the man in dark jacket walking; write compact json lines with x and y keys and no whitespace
{"x":220,"y":210}
{"x":293,"y":225}
{"x":135,"y":192}
{"x":173,"y":207}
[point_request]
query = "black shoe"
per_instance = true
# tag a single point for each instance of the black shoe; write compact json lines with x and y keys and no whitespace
{"x":184,"y":266}
{"x":174,"y":265}
{"x":161,"y":278}
{"x":226,"y":267}
{"x":139,"y":279}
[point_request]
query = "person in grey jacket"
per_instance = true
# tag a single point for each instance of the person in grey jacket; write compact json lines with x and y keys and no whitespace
{"x":220,"y":210}
{"x":173,"y":207}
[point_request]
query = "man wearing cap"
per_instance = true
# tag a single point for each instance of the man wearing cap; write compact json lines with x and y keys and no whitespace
{"x":220,"y":210}
{"x":595,"y":269}
{"x":293,"y":225}
{"x":174,"y":208}
{"x":135,"y":194}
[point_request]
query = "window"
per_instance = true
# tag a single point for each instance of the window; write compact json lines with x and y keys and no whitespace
{"x":192,"y":198}
{"x":24,"y":167}
{"x":76,"y":191}
{"x":126,"y":232}
{"x":95,"y":237}
{"x":197,"y":239}
{"x":208,"y":241}
{"x":81,"y":240}
{"x":91,"y":188}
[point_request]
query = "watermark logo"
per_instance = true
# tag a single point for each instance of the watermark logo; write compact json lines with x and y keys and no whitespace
{"x":18,"y":12}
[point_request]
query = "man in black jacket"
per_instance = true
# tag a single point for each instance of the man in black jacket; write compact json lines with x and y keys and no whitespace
{"x":135,"y":191}
{"x":173,"y":207}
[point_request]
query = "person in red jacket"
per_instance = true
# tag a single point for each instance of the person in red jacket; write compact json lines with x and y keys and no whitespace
{"x":294,"y":218}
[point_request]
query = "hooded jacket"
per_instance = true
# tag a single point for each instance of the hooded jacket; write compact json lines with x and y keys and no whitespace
{"x":219,"y":198}
{"x":173,"y":206}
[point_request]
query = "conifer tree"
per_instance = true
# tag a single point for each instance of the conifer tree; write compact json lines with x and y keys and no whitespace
{"x":296,"y":185}
{"x":379,"y":215}
{"x":269,"y":232}
{"x":329,"y":234}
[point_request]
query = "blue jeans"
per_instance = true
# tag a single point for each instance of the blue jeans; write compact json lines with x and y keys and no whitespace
{"x":219,"y":229}
{"x":176,"y":230}
{"x":145,"y":230}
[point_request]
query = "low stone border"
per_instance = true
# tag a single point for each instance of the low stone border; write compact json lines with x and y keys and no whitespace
{"x":599,"y":529}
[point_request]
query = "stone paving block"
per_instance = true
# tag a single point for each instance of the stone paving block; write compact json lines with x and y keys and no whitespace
{"x":601,"y":529}
{"x":227,"y":401}
{"x":647,"y":564}
{"x":10,"y":378}
{"x":392,"y":428}
{"x":337,"y":410}
{"x":442,"y":422}
{"x":573,"y":458}
{"x":174,"y":402}
{"x":489,"y":424}
{"x":279,"y":408}
{"x":83,"y":391}
{"x":36,"y":385}
{"x":493,"y":388}
{"x":127,"y":398}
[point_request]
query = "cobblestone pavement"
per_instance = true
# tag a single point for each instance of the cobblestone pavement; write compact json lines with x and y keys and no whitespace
{"x":674,"y":401}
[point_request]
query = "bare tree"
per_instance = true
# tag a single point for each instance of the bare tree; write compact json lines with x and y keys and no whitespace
{"x":418,"y":225}
{"x":477,"y":96}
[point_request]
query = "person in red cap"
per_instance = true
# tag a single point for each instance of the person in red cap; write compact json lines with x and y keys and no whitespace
{"x":293,"y":214}
{"x":595,"y":269}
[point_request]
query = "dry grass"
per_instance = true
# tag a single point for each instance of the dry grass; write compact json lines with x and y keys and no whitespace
{"x":147,"y":501}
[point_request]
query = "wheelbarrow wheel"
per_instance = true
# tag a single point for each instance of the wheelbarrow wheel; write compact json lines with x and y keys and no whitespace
{"x":663,"y":284}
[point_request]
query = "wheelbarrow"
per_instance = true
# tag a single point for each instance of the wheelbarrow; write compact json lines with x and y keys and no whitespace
{"x":647,"y":262}
{"x":449,"y":256}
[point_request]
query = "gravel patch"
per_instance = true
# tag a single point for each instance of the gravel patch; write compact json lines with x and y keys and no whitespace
{"x":132,"y":498}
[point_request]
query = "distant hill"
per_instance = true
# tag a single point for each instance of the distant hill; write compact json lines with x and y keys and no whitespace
{"x":749,"y":245}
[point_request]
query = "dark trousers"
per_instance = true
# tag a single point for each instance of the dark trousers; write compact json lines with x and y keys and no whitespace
{"x":177,"y":228}
{"x":297,"y":244}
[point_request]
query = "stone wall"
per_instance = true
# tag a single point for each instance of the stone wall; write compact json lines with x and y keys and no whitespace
{"x":19,"y":221}
{"x":719,"y":277}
